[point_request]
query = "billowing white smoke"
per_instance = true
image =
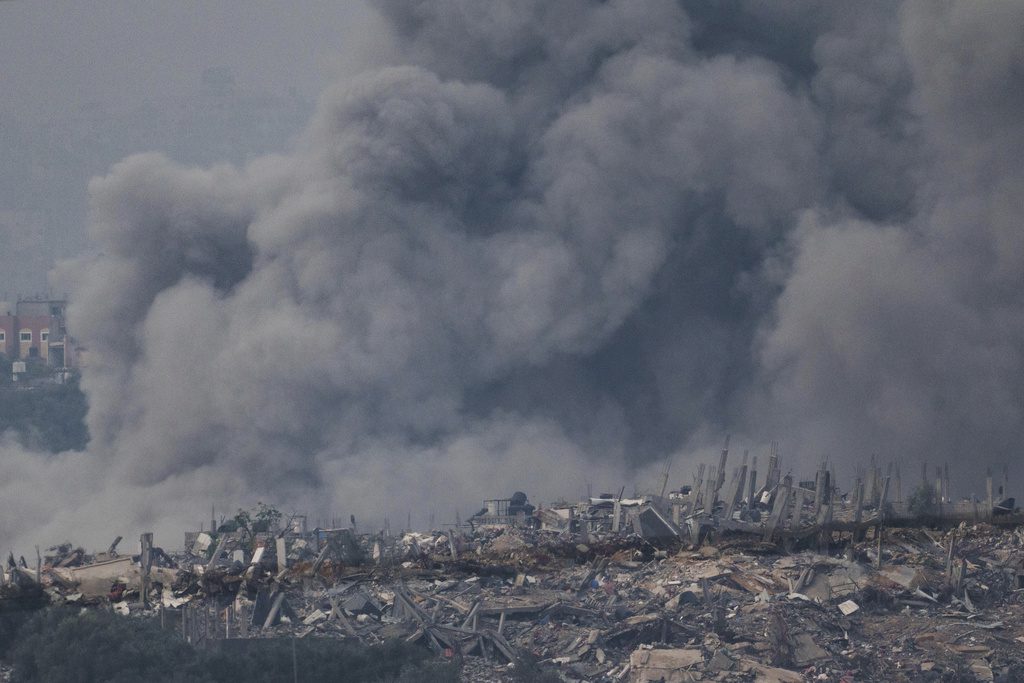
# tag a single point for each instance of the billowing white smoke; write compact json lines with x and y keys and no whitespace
{"x":548,"y":243}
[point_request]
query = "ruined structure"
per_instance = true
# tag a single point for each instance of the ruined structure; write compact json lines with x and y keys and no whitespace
{"x":724,"y":579}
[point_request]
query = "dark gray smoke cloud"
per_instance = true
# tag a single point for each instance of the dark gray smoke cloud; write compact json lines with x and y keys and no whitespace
{"x":904,"y":336}
{"x":546,"y":244}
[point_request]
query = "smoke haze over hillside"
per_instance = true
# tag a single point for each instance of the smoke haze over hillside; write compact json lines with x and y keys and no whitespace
{"x":535,"y":244}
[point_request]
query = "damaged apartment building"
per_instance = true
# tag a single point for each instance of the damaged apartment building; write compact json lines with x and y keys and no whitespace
{"x":34,"y":330}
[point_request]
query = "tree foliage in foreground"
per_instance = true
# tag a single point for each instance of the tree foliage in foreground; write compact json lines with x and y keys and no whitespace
{"x":45,"y":417}
{"x":67,"y":646}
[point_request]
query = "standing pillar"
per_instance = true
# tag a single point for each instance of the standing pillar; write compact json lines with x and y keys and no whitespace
{"x":988,"y":490}
{"x":752,"y":483}
{"x":709,"y":494}
{"x":282,"y":555}
{"x":146,"y":562}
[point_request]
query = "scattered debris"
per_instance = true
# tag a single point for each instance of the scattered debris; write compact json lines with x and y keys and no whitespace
{"x":722,"y":580}
{"x":848,"y":607}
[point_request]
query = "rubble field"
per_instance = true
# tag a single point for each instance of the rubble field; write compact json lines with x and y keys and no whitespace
{"x":728,"y":579}
{"x":934,"y":605}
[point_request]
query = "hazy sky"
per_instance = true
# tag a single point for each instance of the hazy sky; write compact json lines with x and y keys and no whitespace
{"x":74,"y":76}
{"x":62,"y":55}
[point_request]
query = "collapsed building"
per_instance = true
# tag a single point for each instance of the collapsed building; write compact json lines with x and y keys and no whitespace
{"x":730,"y":578}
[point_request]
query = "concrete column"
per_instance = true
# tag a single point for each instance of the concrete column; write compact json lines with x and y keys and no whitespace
{"x":858,"y":500}
{"x":282,"y":555}
{"x":988,"y":490}
{"x":752,"y":482}
{"x":146,"y":562}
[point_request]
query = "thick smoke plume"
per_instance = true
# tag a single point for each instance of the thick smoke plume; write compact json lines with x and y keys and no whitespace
{"x":545,"y":244}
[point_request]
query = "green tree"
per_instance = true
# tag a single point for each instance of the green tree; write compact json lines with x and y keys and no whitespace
{"x":63,"y":645}
{"x":265,"y":517}
{"x":45,"y":417}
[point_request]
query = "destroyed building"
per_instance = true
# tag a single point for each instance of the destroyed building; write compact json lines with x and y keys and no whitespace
{"x":732,"y":578}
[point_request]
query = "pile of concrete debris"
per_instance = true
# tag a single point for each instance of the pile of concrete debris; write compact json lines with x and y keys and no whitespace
{"x":735,"y":577}
{"x":910,"y":604}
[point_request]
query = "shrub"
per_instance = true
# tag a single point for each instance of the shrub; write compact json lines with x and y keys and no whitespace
{"x":63,"y":645}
